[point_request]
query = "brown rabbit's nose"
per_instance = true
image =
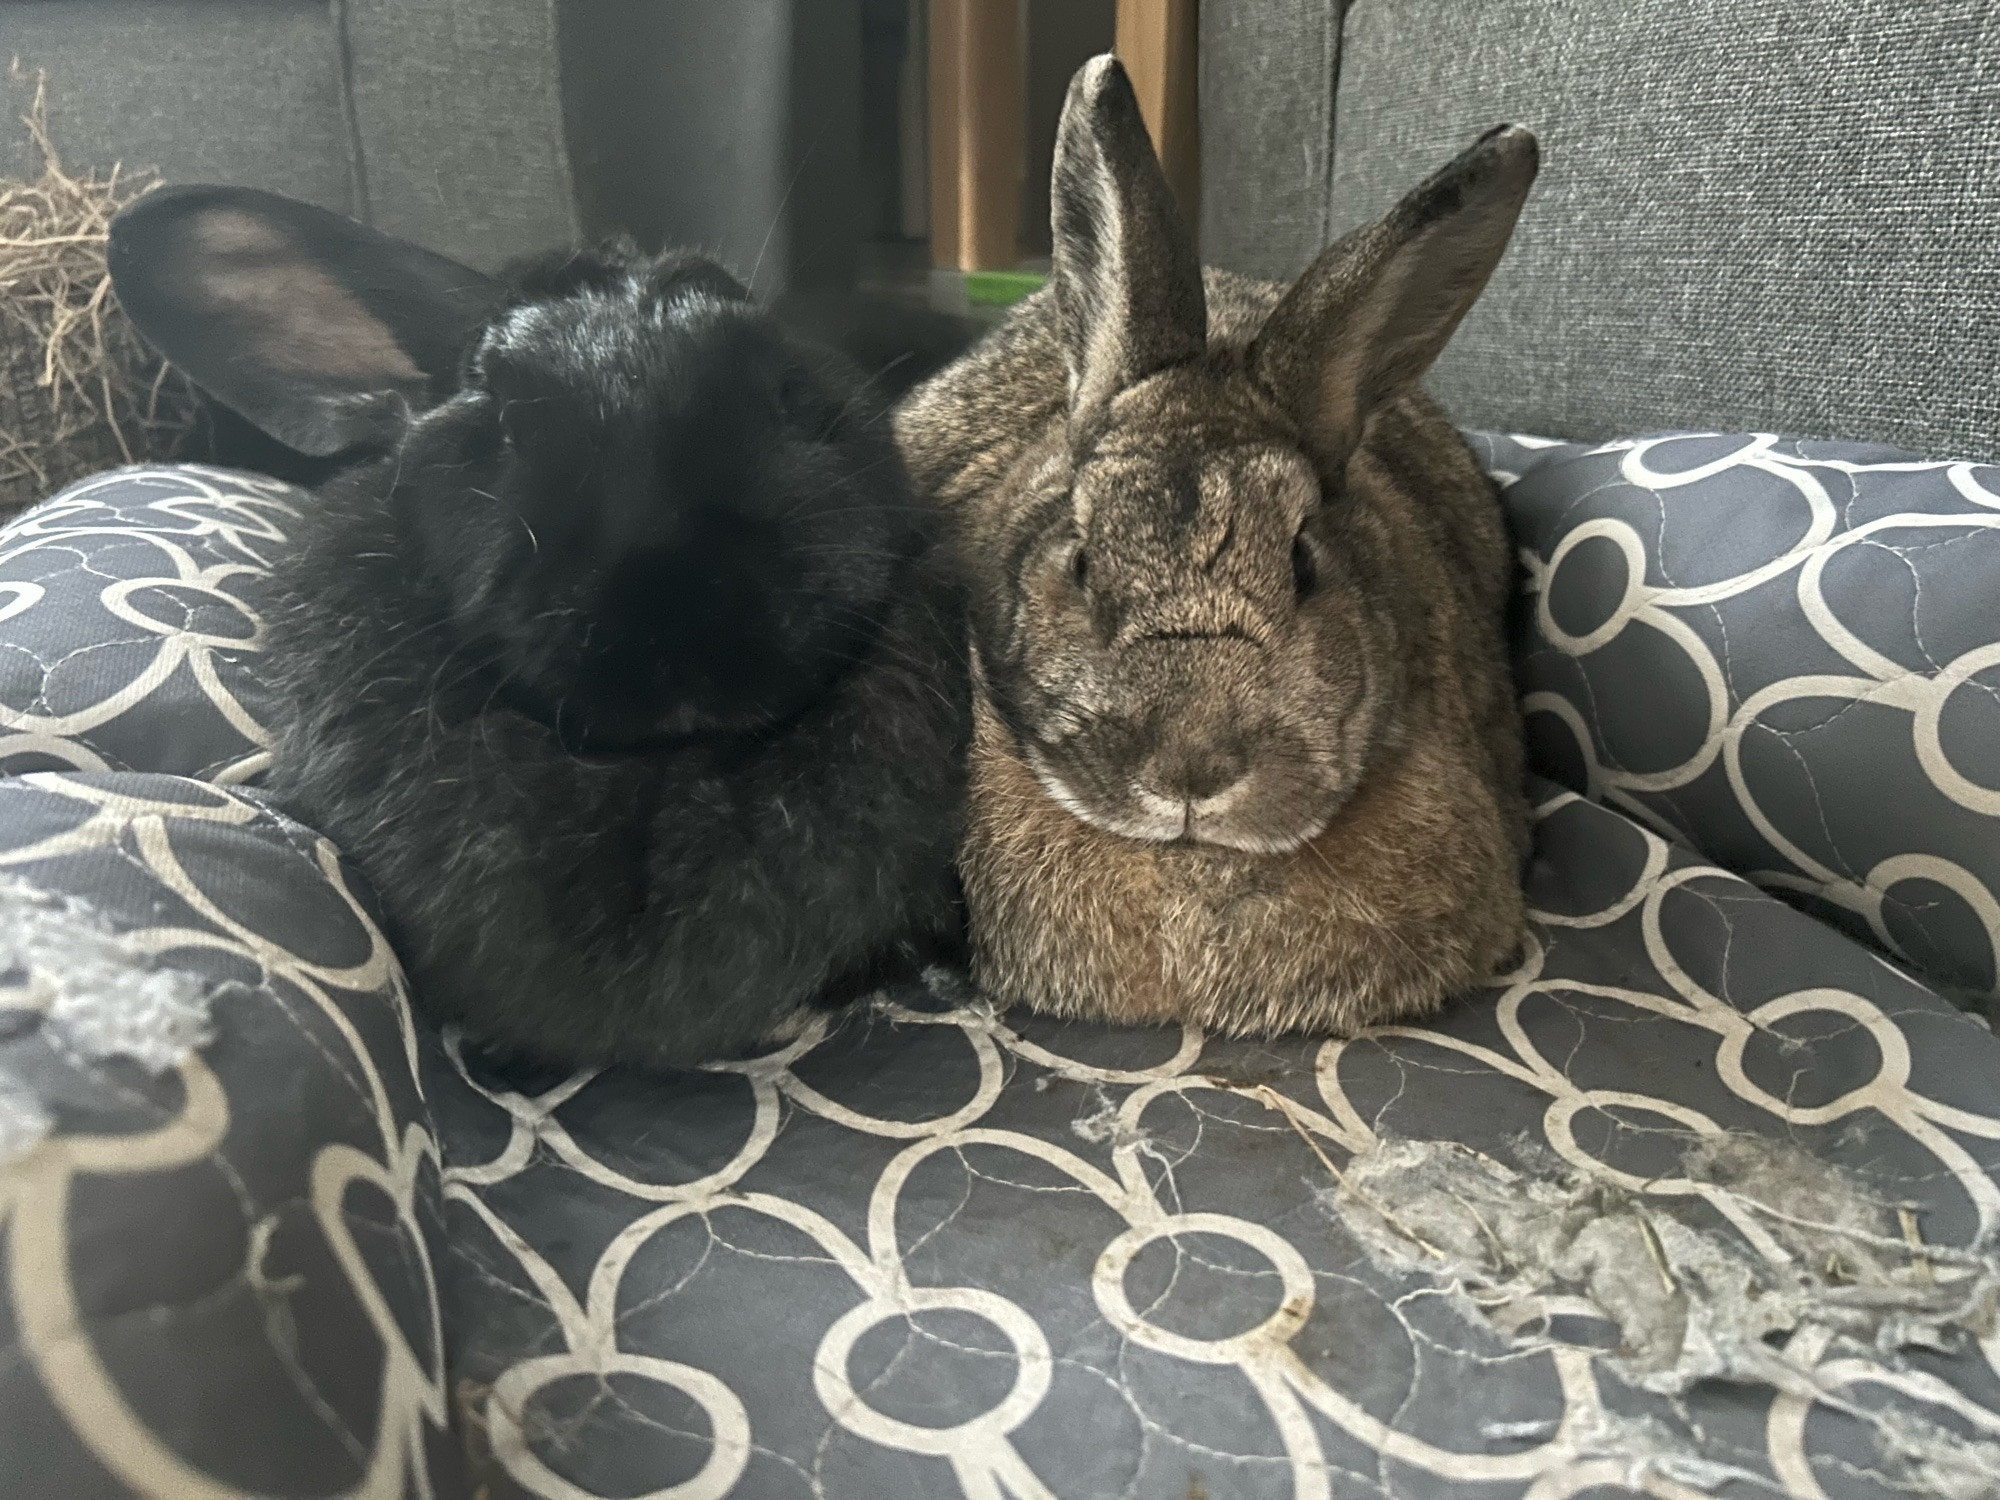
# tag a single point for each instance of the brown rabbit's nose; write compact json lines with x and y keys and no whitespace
{"x":1196,"y":772}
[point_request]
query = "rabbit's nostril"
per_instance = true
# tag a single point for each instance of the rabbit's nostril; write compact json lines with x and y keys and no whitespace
{"x":1198,"y":773}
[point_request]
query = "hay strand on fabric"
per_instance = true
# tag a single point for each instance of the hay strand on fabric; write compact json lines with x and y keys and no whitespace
{"x":79,"y":389}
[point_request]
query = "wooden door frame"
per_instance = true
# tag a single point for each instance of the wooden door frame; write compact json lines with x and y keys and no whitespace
{"x":977,"y":132}
{"x":1157,"y":42}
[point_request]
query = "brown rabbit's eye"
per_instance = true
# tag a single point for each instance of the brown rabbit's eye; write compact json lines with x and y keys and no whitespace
{"x":1305,"y":571}
{"x":1079,"y":567}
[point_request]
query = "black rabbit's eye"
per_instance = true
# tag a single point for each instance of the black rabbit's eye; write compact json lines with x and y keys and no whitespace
{"x":1079,"y":568}
{"x":1305,"y":569}
{"x":806,"y":409}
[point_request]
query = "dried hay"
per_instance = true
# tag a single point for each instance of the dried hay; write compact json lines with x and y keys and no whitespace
{"x":79,"y":389}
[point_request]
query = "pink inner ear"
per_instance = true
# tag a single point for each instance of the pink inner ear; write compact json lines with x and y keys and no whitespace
{"x":297,"y":319}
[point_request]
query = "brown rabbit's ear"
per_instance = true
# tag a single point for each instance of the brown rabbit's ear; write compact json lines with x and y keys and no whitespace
{"x":1124,"y":273}
{"x":322,"y":331}
{"x":1371,"y":314}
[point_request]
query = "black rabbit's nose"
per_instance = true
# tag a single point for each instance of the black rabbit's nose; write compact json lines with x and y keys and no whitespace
{"x":1197,"y":772}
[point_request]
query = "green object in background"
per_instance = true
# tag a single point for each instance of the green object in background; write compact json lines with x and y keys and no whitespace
{"x":1000,"y":288}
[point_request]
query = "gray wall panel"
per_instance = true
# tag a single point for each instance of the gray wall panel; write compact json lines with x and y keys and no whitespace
{"x":1753,"y":213}
{"x":240,"y":91}
{"x":459,"y":110}
{"x":1267,"y":84}
{"x":732,"y":128}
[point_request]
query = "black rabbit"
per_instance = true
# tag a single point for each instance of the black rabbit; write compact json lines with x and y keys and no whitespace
{"x":620,"y":661}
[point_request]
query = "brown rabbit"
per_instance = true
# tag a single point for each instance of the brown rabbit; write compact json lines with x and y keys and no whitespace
{"x":1246,"y":751}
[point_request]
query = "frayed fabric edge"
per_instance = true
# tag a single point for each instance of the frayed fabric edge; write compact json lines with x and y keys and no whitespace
{"x":93,"y":994}
{"x":1815,"y":1253}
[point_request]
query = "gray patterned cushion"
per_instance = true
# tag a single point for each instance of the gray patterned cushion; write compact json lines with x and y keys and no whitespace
{"x":1786,"y":654}
{"x":945,"y":1253}
{"x":124,"y":640}
{"x":937,"y":1251}
{"x":219,"y":1189}
{"x":1704,"y":1195}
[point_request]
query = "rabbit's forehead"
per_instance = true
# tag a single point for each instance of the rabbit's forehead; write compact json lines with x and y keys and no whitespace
{"x":624,"y":326}
{"x":582,"y":317}
{"x":1186,"y":493}
{"x":602,"y":359}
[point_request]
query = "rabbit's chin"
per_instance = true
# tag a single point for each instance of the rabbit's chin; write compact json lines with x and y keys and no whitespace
{"x":1233,"y":820}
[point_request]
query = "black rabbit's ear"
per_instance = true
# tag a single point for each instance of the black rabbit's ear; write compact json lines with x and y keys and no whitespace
{"x":1371,"y":314}
{"x":321,"y":331}
{"x":1124,"y":274}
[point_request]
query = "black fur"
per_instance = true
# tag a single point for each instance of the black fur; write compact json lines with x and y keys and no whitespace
{"x":630,"y":676}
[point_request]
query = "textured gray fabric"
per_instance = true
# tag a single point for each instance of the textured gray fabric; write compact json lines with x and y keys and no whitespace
{"x":939,"y":1252}
{"x":925,"y":1249}
{"x":1267,"y":78}
{"x":459,"y":109}
{"x":1783,"y":654}
{"x":450,"y":129}
{"x":734,"y":128}
{"x":130,"y":636}
{"x":454,"y":122}
{"x":242,"y":91}
{"x":1769,"y":214}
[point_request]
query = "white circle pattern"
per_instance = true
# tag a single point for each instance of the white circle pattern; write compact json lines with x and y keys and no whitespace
{"x":733,"y":1239}
{"x":1682,"y":704}
{"x":127,"y":639}
{"x":1162,"y":1151}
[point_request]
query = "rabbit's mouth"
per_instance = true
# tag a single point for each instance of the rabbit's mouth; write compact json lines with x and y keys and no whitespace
{"x":1251,"y":815}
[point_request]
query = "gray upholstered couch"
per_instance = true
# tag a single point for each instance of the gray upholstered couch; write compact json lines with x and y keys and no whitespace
{"x":1701,"y":1199}
{"x":482,"y":128}
{"x":1765,"y":214}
